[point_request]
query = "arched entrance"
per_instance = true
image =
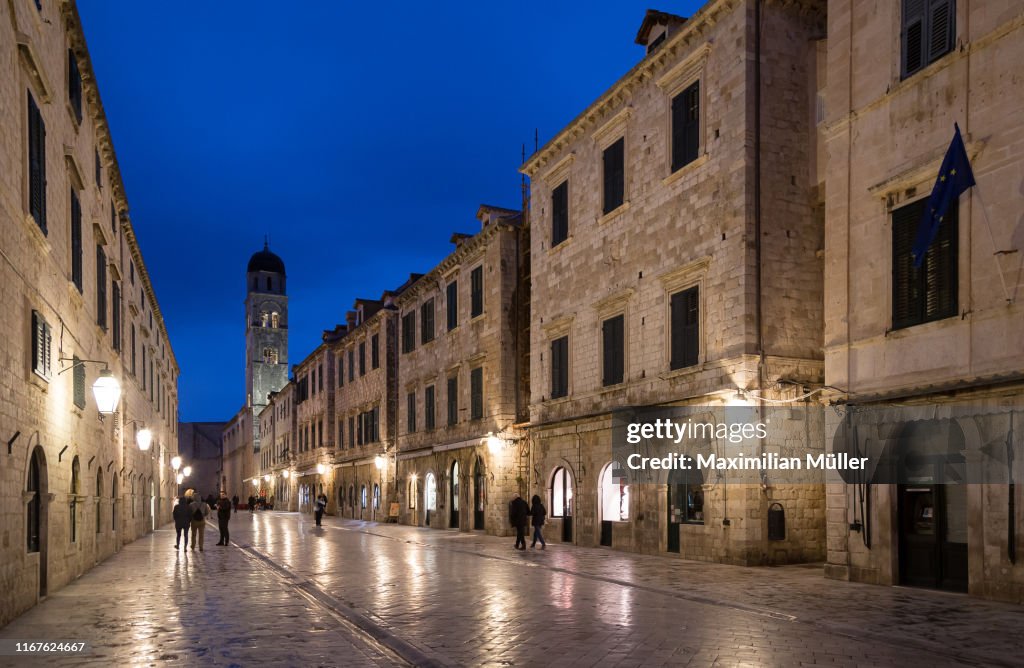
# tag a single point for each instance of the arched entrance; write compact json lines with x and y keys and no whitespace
{"x":430,"y":496}
{"x":614,"y":500}
{"x":453,"y":495}
{"x":37,"y":511}
{"x":479,"y":496}
{"x":152,"y":505}
{"x":561,"y":500}
{"x":932,"y":506}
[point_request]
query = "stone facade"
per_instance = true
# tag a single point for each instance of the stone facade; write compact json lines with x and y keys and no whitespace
{"x":199,"y":445}
{"x":747,"y":256}
{"x":77,"y":299}
{"x":886,"y":134}
{"x":447,"y":476}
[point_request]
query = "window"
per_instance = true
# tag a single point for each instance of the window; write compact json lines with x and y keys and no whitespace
{"x":319,"y":426}
{"x":376,"y":496}
{"x":75,"y":491}
{"x":685,"y":126}
{"x":452,"y":304}
{"x":362,"y":358}
{"x":264,"y":319}
{"x":42,"y":339}
{"x":115,"y":313}
{"x":428,"y":407}
{"x":561,"y":493}
{"x":36,"y":164}
{"x":76,"y":241}
{"x":685,"y":319}
{"x":375,"y":351}
{"x":929,"y":292}
{"x":133,"y":348}
{"x":352,"y":433}
{"x":414,"y":491}
{"x":614,"y":494}
{"x":560,"y":367}
{"x":74,"y":86}
{"x":928,"y":32}
{"x":101,"y":287}
{"x":476,"y":393}
{"x":320,"y":378}
{"x":270,"y":355}
{"x":35,"y":503}
{"x":99,"y":172}
{"x":453,"y":401}
{"x":275,"y":320}
{"x":430,"y":492}
{"x":410,"y":412}
{"x":613,"y":350}
{"x":113,"y":219}
{"x":269,"y":284}
{"x":409,"y":332}
{"x":312,"y":381}
{"x":560,"y":213}
{"x":78,"y":374}
{"x":476,"y":282}
{"x":427,"y":321}
{"x":362,"y":496}
{"x":614,"y":175}
{"x":351,"y":365}
{"x":96,"y":501}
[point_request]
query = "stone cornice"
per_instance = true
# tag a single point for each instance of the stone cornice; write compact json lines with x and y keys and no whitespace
{"x":91,"y":96}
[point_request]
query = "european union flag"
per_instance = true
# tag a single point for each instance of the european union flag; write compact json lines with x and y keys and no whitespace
{"x":955,"y":176}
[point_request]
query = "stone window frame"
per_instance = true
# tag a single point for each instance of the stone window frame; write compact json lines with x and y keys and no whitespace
{"x":556,"y":329}
{"x":558,"y":174}
{"x":610,"y":307}
{"x":691,"y":69}
{"x":609,"y":133}
{"x":691,"y":274}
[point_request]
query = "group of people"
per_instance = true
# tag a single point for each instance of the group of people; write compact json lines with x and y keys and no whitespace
{"x":522,"y":514}
{"x":258,"y":503}
{"x":191,"y":512}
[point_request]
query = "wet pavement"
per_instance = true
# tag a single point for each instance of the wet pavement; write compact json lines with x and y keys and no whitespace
{"x":359,"y":593}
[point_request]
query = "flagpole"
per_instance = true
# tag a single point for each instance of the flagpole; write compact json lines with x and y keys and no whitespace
{"x":995,"y":249}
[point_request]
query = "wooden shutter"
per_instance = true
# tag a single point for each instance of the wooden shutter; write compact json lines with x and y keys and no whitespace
{"x":37,"y":164}
{"x":410,"y":408}
{"x":913,"y":30}
{"x":101,"y":287}
{"x":428,"y":407}
{"x":476,"y":386}
{"x":560,"y":367}
{"x":452,"y":299}
{"x":375,"y":351}
{"x":74,"y":85}
{"x":940,"y":270}
{"x":941,"y":28}
{"x":79,"y":382}
{"x":76,"y":240}
{"x":362,"y":358}
{"x":427,"y":321}
{"x":41,"y":342}
{"x":453,"y":400}
{"x":906,"y":288}
{"x":560,"y":213}
{"x":686,"y":126}
{"x":614,"y":175}
{"x":613,"y":362}
{"x":477,"y":289}
{"x":116,"y":315}
{"x":685,"y":328}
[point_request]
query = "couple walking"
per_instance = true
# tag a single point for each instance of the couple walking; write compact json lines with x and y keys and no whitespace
{"x":520,"y":514}
{"x":191,"y":513}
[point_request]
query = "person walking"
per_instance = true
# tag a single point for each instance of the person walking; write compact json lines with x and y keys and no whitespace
{"x":252,"y":504}
{"x":234,"y":502}
{"x":321,"y":506}
{"x":223,"y":515}
{"x":518,"y":516}
{"x":538,"y":512}
{"x":182,"y":518}
{"x":199,"y":509}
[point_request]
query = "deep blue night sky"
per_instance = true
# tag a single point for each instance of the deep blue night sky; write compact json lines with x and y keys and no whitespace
{"x":359,"y":139}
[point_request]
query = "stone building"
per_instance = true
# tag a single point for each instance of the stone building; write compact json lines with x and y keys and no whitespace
{"x":78,"y":301}
{"x":313,"y":428}
{"x":675,"y":240}
{"x":266,"y":366}
{"x":941,"y":341}
{"x":460,"y":382}
{"x":363,"y":358}
{"x":199,"y":446}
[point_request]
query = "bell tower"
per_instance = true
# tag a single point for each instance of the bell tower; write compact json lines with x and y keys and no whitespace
{"x":266,"y":330}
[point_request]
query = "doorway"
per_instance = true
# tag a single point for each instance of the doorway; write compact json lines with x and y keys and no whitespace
{"x":453,"y":494}
{"x":479,"y":482}
{"x":37,"y":511}
{"x":561,"y":501}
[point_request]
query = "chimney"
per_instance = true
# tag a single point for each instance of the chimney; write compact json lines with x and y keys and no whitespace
{"x":350,"y":320}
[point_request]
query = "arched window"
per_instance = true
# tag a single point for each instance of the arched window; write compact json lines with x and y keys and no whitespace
{"x":376,"y":496}
{"x":413,"y":491}
{"x":430,"y":492}
{"x":35,"y":504}
{"x":455,"y":487}
{"x":99,"y":493}
{"x":275,"y":319}
{"x":561,"y":493}
{"x":264,"y":319}
{"x":75,"y":489}
{"x":270,"y":355}
{"x":614,"y":494}
{"x":362,"y":497}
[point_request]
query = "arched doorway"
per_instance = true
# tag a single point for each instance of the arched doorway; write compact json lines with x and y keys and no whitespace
{"x":96,"y":502}
{"x":37,"y":512}
{"x":932,"y":506}
{"x":453,"y":495}
{"x":561,"y":500}
{"x":376,"y":500}
{"x":113,"y":509}
{"x":76,"y":488}
{"x":430,"y":496}
{"x":479,"y":496}
{"x":152,"y":504}
{"x":352,"y":501}
{"x":614,"y":500}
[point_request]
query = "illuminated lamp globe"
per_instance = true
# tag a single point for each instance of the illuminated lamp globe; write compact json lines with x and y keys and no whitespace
{"x":321,"y":469}
{"x":180,"y":478}
{"x":144,"y":438}
{"x":379,"y":462}
{"x":175,"y":462}
{"x":107,"y":391}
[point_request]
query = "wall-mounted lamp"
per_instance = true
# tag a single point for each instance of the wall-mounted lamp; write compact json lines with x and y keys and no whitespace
{"x":379,"y":462}
{"x":285,"y":474}
{"x":143,"y":437}
{"x":179,"y":478}
{"x":494,"y":443}
{"x":321,"y":469}
{"x":175,"y":462}
{"x":106,"y":389}
{"x":256,"y":482}
{"x":266,"y":477}
{"x":187,"y":471}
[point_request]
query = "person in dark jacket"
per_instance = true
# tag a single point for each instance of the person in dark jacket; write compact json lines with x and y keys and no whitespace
{"x":252,"y":504}
{"x":321,"y":506}
{"x":182,"y":520}
{"x":519,"y":517}
{"x":538,"y":512}
{"x":234,"y":502}
{"x":199,"y":510}
{"x":223,"y":515}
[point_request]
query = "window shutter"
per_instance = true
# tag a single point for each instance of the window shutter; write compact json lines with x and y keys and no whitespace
{"x":74,"y":85}
{"x":41,"y":341}
{"x":452,"y":299}
{"x":941,"y":22}
{"x":101,"y":287}
{"x":906,"y":287}
{"x":614,"y":175}
{"x":560,"y":367}
{"x":37,"y":164}
{"x":476,"y":383}
{"x":560,"y":213}
{"x":477,"y":296}
{"x":428,"y":407}
{"x":685,"y":126}
{"x":76,"y":240}
{"x":913,"y":35}
{"x":940,"y":270}
{"x":685,"y":328}
{"x":79,"y":382}
{"x":613,"y":362}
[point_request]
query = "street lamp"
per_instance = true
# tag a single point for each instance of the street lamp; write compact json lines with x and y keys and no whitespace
{"x":179,"y":478}
{"x":285,"y":473}
{"x":379,"y":462}
{"x":187,"y":471}
{"x":175,"y":462}
{"x":107,"y":391}
{"x":144,"y":437}
{"x":256,"y":482}
{"x":266,"y":477}
{"x":321,"y":469}
{"x":494,"y":443}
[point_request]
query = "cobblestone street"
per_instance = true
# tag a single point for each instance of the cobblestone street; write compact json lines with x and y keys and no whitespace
{"x":355,"y":593}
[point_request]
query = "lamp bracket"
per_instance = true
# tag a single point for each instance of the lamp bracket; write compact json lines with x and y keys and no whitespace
{"x":79,"y":363}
